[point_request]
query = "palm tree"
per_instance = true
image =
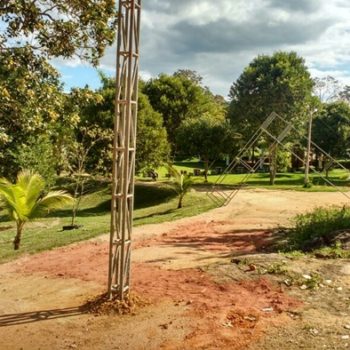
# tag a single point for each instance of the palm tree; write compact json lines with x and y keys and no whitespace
{"x":25,"y":201}
{"x":182,"y":183}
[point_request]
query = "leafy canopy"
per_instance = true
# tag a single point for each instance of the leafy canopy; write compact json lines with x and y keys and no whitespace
{"x":179,"y":97}
{"x":279,"y":83}
{"x":331,"y":129}
{"x":207,"y":137}
{"x":95,"y":112}
{"x":27,"y":83}
{"x":54,"y":28}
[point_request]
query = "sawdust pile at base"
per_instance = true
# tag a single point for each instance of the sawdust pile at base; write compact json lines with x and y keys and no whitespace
{"x":102,"y":305}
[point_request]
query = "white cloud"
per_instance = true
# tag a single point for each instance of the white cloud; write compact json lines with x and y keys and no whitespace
{"x":219,"y":38}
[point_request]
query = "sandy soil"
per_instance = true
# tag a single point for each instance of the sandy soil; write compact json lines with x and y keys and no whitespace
{"x":198,"y":299}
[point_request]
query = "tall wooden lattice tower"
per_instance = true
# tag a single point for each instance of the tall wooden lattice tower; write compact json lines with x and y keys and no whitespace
{"x":124,"y":147}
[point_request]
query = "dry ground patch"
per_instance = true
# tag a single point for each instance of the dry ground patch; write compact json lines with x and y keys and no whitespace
{"x":198,"y":298}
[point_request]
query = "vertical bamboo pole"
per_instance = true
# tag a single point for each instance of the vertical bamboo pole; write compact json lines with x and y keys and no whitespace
{"x":124,"y":147}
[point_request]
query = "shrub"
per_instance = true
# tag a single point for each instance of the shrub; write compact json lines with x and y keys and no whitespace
{"x":181,"y":184}
{"x":26,"y":201}
{"x":283,"y":161}
{"x":38,"y":156}
{"x":319,"y":224}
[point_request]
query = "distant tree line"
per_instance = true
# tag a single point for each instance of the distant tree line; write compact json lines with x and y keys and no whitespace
{"x":45,"y":129}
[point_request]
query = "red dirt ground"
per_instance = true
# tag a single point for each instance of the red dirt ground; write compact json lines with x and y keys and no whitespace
{"x":212,"y":236}
{"x":199,"y":312}
{"x":225,"y":314}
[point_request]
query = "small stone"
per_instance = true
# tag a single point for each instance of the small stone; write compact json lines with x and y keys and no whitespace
{"x":252,"y":267}
{"x":250,"y":318}
{"x":347,"y":326}
{"x":314,"y":331}
{"x":268,"y":309}
{"x":328,"y":281}
{"x":345,"y":337}
{"x":339,"y":289}
{"x":307,"y":277}
{"x":227,"y":324}
{"x":303,"y":287}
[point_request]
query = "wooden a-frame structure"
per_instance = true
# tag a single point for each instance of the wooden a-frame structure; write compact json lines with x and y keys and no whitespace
{"x":124,"y":147}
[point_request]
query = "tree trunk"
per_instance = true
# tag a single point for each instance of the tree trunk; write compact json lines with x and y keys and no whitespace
{"x":328,"y":166}
{"x":78,"y":194}
{"x":206,"y":170}
{"x":75,"y":196}
{"x":179,"y":206}
{"x":273,"y":165}
{"x":17,"y":240}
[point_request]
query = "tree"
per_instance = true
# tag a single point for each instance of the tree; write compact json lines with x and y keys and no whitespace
{"x":345,"y":94}
{"x":78,"y":152}
{"x":189,"y":74}
{"x":31,"y":102}
{"x":152,"y":147}
{"x":208,"y":137}
{"x":179,"y":97}
{"x":31,"y":33}
{"x":327,"y":89}
{"x":78,"y":141}
{"x":25,"y":201}
{"x":37,"y":155}
{"x":279,"y":83}
{"x":181,"y":184}
{"x":331,"y":130}
{"x":58,"y":28}
{"x":151,"y":143}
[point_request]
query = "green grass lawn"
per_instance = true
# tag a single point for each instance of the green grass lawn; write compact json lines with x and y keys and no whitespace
{"x":290,"y":181}
{"x":284,"y":181}
{"x":154,"y":203}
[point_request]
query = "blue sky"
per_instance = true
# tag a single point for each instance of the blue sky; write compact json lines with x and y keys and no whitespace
{"x":219,"y":38}
{"x":79,"y":75}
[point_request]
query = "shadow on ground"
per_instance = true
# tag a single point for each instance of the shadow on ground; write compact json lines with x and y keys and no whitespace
{"x":37,"y":316}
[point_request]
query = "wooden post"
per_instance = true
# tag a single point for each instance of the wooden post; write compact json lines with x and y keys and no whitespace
{"x":124,"y":147}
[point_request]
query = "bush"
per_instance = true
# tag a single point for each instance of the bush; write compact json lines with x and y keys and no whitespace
{"x":38,"y":156}
{"x":319,"y":226}
{"x":283,"y":161}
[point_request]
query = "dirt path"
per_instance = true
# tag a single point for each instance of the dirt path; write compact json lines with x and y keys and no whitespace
{"x":177,"y":266}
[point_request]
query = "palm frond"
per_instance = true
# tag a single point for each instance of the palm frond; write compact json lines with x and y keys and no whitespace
{"x":23,"y":200}
{"x":176,"y":174}
{"x":181,"y":183}
{"x":4,"y":182}
{"x":32,"y":185}
{"x":187,"y":183}
{"x":53,"y":200}
{"x":10,"y":198}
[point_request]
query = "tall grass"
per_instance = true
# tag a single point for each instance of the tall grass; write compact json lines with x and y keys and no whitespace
{"x":319,"y":224}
